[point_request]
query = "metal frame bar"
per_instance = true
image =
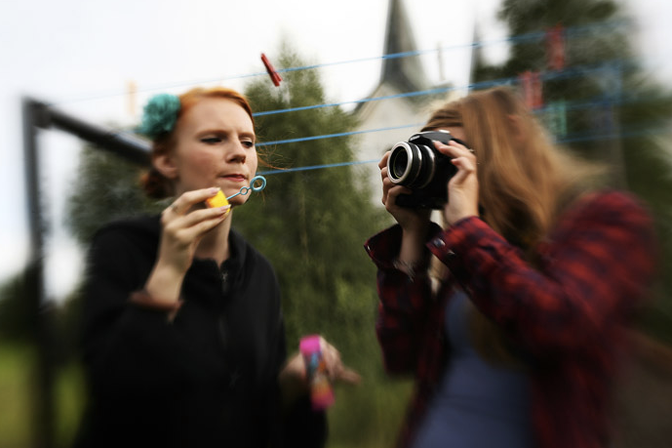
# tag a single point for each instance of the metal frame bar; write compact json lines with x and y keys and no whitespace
{"x":36,"y":116}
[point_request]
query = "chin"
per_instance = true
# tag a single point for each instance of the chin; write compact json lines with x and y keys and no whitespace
{"x":237,"y":201}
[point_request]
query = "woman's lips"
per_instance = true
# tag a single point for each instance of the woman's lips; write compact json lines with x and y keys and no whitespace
{"x":234,"y":177}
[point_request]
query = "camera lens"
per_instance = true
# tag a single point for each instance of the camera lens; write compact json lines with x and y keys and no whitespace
{"x":410,"y":165}
{"x":400,"y":164}
{"x":400,"y":167}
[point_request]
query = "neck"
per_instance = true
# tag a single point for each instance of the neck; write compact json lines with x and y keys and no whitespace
{"x":215,"y":243}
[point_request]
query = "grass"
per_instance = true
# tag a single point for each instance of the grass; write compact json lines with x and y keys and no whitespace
{"x":69,"y":398}
{"x":15,"y":390}
{"x":366,"y":416}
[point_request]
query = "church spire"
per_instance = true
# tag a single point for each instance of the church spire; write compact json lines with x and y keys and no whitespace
{"x":404,"y":73}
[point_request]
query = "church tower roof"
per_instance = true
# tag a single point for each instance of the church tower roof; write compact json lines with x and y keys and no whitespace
{"x":404,"y":73}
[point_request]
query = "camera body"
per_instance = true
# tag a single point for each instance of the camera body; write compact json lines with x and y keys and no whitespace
{"x":418,"y":165}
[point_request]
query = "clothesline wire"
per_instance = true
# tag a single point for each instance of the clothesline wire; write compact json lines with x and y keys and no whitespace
{"x":546,"y":76}
{"x":570,"y":32}
{"x":568,"y":139}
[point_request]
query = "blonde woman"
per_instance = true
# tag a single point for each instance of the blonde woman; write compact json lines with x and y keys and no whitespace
{"x":540,"y":274}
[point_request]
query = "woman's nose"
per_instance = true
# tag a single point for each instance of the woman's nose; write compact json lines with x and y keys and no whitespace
{"x":237,"y":153}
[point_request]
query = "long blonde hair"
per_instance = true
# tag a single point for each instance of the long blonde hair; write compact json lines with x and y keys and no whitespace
{"x":525,"y":180}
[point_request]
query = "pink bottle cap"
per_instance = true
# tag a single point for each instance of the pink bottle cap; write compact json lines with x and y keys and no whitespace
{"x":310,"y":344}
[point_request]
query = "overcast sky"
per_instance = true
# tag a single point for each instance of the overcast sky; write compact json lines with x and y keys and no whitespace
{"x":80,"y":55}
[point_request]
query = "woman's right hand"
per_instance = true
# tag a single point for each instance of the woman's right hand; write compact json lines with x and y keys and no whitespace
{"x":184,"y":226}
{"x":411,"y":220}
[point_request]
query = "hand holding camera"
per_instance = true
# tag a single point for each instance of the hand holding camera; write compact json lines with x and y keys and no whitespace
{"x":426,"y":171}
{"x":418,"y":165}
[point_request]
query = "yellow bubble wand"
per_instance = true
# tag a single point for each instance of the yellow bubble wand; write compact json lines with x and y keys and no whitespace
{"x":257,"y":184}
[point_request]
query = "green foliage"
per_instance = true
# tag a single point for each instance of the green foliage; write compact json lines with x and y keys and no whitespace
{"x":616,"y":113}
{"x":107,"y":189}
{"x":312,"y":225}
{"x":18,"y":322}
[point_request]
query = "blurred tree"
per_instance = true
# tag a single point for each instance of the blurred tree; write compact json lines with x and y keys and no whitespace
{"x":17,"y":322}
{"x":600,"y":103}
{"x":107,"y":188}
{"x":115,"y":183}
{"x":312,"y":225}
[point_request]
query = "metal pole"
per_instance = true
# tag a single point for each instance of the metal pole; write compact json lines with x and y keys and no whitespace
{"x":122,"y":144}
{"x":43,"y":401}
{"x":38,"y":115}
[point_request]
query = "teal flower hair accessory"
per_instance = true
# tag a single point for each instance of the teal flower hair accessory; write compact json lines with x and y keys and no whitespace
{"x":160,"y":115}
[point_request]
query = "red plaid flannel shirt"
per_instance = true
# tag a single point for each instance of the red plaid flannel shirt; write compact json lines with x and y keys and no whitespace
{"x":568,"y":314}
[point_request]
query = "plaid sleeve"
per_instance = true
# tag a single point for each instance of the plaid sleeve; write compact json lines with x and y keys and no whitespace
{"x":403,"y":303}
{"x":595,"y":266}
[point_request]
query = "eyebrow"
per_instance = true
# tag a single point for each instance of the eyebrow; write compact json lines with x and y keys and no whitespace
{"x":251,"y":135}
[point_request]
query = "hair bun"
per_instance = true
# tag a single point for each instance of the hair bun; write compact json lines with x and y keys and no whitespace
{"x":155,"y":184}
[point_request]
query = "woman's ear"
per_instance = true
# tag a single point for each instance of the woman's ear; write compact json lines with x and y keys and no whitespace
{"x":165,"y":165}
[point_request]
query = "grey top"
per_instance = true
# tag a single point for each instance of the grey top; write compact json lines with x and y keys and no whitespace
{"x":477,"y":404}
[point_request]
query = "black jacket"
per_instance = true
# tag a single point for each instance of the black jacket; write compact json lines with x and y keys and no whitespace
{"x":209,"y":378}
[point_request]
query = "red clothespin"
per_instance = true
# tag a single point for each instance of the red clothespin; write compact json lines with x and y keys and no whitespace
{"x":532,"y":89}
{"x":275,"y":77}
{"x":555,"y":47}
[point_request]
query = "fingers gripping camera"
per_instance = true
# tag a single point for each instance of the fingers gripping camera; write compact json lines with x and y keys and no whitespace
{"x":416,"y":164}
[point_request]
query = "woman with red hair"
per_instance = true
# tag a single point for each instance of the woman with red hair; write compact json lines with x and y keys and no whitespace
{"x":184,"y":342}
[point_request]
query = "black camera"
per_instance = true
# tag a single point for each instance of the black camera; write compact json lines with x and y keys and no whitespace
{"x":416,"y":164}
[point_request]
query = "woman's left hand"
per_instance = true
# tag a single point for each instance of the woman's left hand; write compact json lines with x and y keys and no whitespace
{"x":463,"y":186}
{"x":294,"y":376}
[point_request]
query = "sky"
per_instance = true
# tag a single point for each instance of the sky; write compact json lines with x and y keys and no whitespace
{"x":80,"y":55}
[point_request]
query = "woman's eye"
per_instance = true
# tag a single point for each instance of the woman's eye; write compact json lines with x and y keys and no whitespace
{"x":248,"y":143}
{"x":211,"y":140}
